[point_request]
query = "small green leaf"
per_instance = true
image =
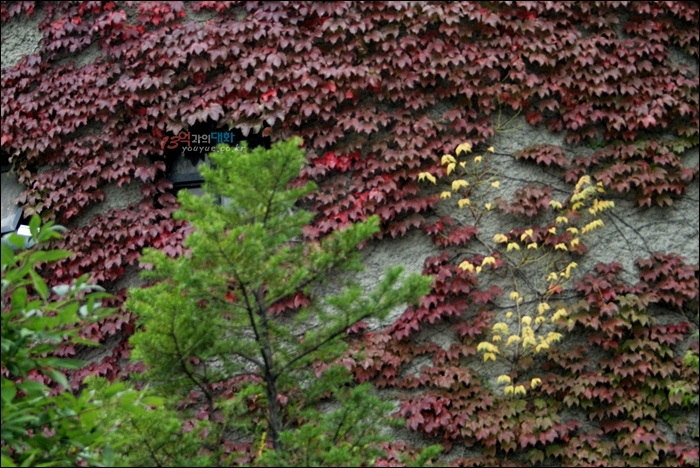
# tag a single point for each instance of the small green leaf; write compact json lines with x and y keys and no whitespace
{"x":34,"y":226}
{"x":17,"y":240}
{"x":39,"y":284}
{"x":19,"y":299}
{"x":49,"y":255}
{"x":8,"y":392}
{"x":59,"y":378}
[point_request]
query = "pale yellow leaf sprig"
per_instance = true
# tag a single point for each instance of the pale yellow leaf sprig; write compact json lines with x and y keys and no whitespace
{"x":584,"y":180}
{"x":514,"y":390}
{"x":534,"y":383}
{"x":567,"y":272}
{"x":503,"y":379}
{"x":490,"y":350}
{"x":426,"y":175}
{"x":525,"y":235}
{"x":478,"y":159}
{"x":592,"y":225}
{"x":457,"y":184}
{"x":466,"y":266}
{"x":445,"y":194}
{"x":465,"y":147}
{"x":512,"y":339}
{"x":514,"y":296}
{"x":512,"y":246}
{"x":447,"y":159}
{"x":559,"y":315}
{"x":501,"y":328}
{"x":500,"y":238}
{"x":463,"y":202}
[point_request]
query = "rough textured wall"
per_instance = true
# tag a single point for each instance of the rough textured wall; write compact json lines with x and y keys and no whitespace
{"x":380,"y":92}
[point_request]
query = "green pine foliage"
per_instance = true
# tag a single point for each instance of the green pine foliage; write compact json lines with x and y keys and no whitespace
{"x":207,"y":327}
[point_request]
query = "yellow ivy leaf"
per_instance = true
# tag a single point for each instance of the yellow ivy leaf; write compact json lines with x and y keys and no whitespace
{"x":519,"y":390}
{"x":585,"y":180}
{"x":529,"y":341}
{"x":512,"y":339}
{"x":592,"y":225}
{"x":508,"y":390}
{"x":562,"y":219}
{"x":488,"y":206}
{"x":559,"y":314}
{"x":426,"y":175}
{"x":491,"y":149}
{"x":463,"y":164}
{"x":572,"y":230}
{"x":500,"y":238}
{"x":542,"y":308}
{"x":552,"y":277}
{"x":450,"y":168}
{"x":526,"y":234}
{"x":527,"y":320}
{"x":488,"y":356}
{"x":532,"y":246}
{"x":478,"y":270}
{"x":478,"y":159}
{"x":457,"y":184}
{"x":555,"y":204}
{"x":447,"y":158}
{"x":540,"y":320}
{"x":465,"y":147}
{"x":487,"y":347}
{"x":553,"y":337}
{"x":444,"y":195}
{"x":496,"y":338}
{"x":500,"y":327}
{"x":561,"y":246}
{"x":535,"y":382}
{"x":503,"y":379}
{"x":464,"y":202}
{"x":512,"y":246}
{"x":488,"y":261}
{"x":574,"y":242}
{"x":496,"y":184}
{"x":465,"y":265}
{"x":509,"y":314}
{"x":541,"y":346}
{"x":552,"y":230}
{"x":514,"y":295}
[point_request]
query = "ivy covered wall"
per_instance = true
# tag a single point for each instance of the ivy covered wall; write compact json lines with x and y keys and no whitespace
{"x":544,"y":93}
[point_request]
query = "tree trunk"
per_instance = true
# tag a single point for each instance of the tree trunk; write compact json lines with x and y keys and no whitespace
{"x":273,"y":407}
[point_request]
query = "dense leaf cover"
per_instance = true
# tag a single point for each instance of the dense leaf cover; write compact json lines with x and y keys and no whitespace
{"x":379,"y":91}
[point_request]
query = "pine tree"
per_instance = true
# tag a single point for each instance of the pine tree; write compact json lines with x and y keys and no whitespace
{"x":208,"y":317}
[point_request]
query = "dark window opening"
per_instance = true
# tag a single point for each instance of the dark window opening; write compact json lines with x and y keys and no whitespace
{"x":189,"y":149}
